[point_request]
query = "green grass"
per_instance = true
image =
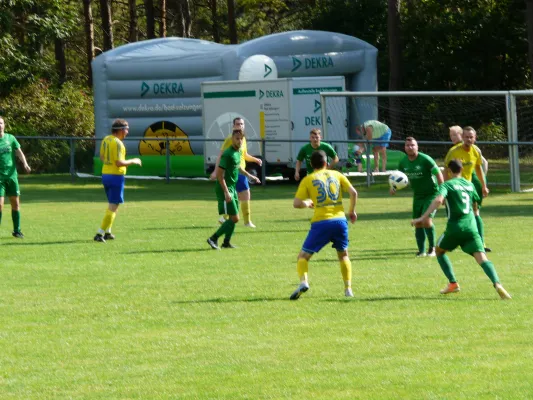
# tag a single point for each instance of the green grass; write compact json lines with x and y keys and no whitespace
{"x":158,"y":314}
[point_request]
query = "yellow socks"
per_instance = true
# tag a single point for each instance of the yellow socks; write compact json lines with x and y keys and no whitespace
{"x":108,"y":220}
{"x":302,"y":267}
{"x":245,"y":206}
{"x":346,"y":271}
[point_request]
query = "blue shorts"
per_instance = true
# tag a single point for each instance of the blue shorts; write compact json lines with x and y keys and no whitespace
{"x":385,"y":139}
{"x":114,"y":188}
{"x":242,"y":184}
{"x":323,"y":232}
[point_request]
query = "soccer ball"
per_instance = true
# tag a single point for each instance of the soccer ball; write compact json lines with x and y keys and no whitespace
{"x":398,"y":180}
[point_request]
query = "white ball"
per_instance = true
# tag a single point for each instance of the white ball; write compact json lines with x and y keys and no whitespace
{"x":258,"y":68}
{"x":398,"y":180}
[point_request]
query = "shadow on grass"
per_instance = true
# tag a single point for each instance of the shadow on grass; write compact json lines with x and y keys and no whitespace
{"x":175,"y":228}
{"x":26,"y":243}
{"x":403,"y":298}
{"x":169,"y":251}
{"x":223,"y":300}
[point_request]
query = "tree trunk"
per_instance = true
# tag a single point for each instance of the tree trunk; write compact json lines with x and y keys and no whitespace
{"x":107,"y":24}
{"x":232,"y":24}
{"x":150,"y":19}
{"x":187,"y":18}
{"x":529,"y":22}
{"x":89,"y":38}
{"x":132,"y":34}
{"x":214,"y":21}
{"x":61,"y":63}
{"x":163,"y":23}
{"x":395,"y":55}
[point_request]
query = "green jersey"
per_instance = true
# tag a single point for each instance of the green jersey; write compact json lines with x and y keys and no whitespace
{"x":306,"y":151}
{"x":460,"y":194}
{"x":421,"y":173}
{"x":8,"y":146}
{"x":230,"y":161}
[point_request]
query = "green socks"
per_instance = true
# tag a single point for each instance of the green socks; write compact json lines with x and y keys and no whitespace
{"x":446,"y":267}
{"x":15,"y":215}
{"x":226,"y":229}
{"x":420,"y":236}
{"x":489,"y":269}
{"x":430,"y":233}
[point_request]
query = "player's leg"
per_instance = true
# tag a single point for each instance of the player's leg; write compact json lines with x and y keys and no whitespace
{"x":228,"y":227}
{"x":447,"y":242}
{"x":13,"y":192}
{"x":475,"y":248}
{"x":114,"y":189}
{"x":430,"y":230}
{"x":243,"y":190}
{"x":2,"y":195}
{"x":384,"y":145}
{"x":317,"y":238}
{"x":420,"y":233}
{"x":375,"y":151}
{"x":477,"y":207}
{"x":340,"y":241}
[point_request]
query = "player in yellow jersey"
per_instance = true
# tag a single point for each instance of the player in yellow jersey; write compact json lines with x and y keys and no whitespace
{"x":243,"y":186}
{"x":474,"y":167}
{"x":322,"y":191}
{"x":113,"y":156}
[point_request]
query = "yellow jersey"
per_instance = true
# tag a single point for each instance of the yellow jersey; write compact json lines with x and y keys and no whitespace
{"x":111,"y":150}
{"x":469,"y":159}
{"x":244,"y":149}
{"x":325,"y":188}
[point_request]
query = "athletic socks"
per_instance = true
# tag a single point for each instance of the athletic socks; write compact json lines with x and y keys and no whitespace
{"x":15,"y":216}
{"x":480,"y":227}
{"x":108,"y":220}
{"x":420,"y":236}
{"x":246,"y":212}
{"x":446,"y":267}
{"x":302,"y":267}
{"x":489,"y":269}
{"x":430,"y":233}
{"x":346,"y":271}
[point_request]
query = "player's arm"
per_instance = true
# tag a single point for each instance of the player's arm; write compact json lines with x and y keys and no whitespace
{"x":334,"y":161}
{"x":253,"y":159}
{"x":436,"y":203}
{"x":302,"y":200}
{"x":213,"y":175}
{"x":481,"y":176}
{"x":127,"y":163}
{"x":249,"y":175}
{"x":436,"y":171}
{"x":353,"y":202}
{"x":299,"y":158}
{"x":220,"y":178}
{"x":484,"y":165}
{"x":22,"y":159}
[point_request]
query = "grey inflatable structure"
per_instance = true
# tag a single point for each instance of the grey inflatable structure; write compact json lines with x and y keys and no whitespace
{"x":155,"y":84}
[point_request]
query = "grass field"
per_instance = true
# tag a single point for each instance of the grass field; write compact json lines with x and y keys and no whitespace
{"x":157,"y":314}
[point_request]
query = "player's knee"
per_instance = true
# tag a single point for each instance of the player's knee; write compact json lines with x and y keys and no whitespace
{"x":235,"y":218}
{"x":439,"y":251}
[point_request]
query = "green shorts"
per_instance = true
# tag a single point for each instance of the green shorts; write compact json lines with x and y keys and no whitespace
{"x":9,"y":187}
{"x":469,"y":240}
{"x":420,"y":206}
{"x":477,"y":184}
{"x":231,"y":208}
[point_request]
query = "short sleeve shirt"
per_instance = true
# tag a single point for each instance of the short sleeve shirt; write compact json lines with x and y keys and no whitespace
{"x":307,"y":150}
{"x":8,"y":147}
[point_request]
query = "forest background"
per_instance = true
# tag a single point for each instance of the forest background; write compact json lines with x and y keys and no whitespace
{"x":46,"y":47}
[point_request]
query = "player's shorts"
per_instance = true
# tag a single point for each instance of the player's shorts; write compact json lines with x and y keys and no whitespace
{"x":231,"y":208}
{"x":9,"y":187}
{"x":114,"y":188}
{"x":469,"y":240}
{"x":479,"y":190}
{"x":420,"y":206}
{"x":242,"y":184}
{"x":384,"y":139}
{"x":323,"y":232}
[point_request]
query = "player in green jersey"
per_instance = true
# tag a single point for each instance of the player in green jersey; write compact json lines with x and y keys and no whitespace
{"x":425,"y":177}
{"x":9,"y":184}
{"x":461,"y":230}
{"x":228,"y":171}
{"x":315,"y":137}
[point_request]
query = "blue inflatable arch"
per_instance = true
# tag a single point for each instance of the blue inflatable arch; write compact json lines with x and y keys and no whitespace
{"x":155,"y":84}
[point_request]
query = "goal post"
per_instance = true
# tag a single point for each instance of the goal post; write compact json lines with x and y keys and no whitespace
{"x":427,"y":117}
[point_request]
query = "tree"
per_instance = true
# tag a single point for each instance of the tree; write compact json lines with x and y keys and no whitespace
{"x":150,"y":18}
{"x":163,"y":23}
{"x":89,"y":37}
{"x":232,"y":23}
{"x":107,"y":24}
{"x":395,"y":48}
{"x":132,"y":32}
{"x":529,"y":22}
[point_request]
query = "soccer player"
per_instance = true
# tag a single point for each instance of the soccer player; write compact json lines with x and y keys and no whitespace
{"x":474,"y":166}
{"x":461,"y":230}
{"x":376,"y":130}
{"x":225,"y":188}
{"x":456,"y":136}
{"x":113,"y":156}
{"x":425,"y":178}
{"x":322,"y":191}
{"x":315,"y":138}
{"x":9,"y":184}
{"x":243,"y":186}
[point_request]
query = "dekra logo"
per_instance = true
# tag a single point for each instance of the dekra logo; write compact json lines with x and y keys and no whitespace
{"x":271,"y":93}
{"x":162,"y":88}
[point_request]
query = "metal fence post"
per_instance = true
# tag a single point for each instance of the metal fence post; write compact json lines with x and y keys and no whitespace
{"x":167,"y":153}
{"x":72,"y":159}
{"x":263,"y":165}
{"x":512,"y":136}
